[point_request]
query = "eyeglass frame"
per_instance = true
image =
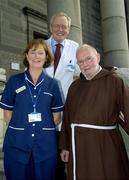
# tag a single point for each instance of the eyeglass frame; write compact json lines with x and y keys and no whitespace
{"x":87,"y":59}
{"x":57,"y":26}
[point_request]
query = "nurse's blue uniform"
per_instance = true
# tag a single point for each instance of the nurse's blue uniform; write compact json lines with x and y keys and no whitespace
{"x":30,"y":147}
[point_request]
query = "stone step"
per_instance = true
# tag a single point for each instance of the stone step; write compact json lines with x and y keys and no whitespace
{"x":1,"y":161}
{"x":1,"y":166}
{"x":2,"y":177}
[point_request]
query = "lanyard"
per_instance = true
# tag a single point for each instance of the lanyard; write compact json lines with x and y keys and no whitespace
{"x":34,"y":100}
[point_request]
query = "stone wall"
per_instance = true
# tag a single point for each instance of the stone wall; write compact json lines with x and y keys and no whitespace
{"x":91,"y":23}
{"x":2,"y":122}
{"x":14,"y":30}
{"x":2,"y":86}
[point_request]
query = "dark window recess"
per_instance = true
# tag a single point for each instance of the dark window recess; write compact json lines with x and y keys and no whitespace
{"x":37,"y":35}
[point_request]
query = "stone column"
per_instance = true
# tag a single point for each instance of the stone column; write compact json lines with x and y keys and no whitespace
{"x":127,"y":16}
{"x":115,"y":41}
{"x":72,"y":8}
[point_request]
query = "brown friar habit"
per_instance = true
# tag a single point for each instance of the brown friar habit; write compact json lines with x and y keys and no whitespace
{"x":100,"y":154}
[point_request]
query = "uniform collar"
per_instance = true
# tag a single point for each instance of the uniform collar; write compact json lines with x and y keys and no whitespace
{"x":29,"y":79}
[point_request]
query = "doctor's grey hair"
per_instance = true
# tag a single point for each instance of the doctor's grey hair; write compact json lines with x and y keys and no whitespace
{"x":60,"y":14}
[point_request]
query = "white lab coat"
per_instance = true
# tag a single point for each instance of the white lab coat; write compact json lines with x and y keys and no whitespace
{"x":67,"y":67}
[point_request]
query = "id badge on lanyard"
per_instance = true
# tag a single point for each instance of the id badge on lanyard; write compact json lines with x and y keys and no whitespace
{"x":34,"y":117}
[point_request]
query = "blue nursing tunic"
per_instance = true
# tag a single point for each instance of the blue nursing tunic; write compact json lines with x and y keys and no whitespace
{"x":24,"y":137}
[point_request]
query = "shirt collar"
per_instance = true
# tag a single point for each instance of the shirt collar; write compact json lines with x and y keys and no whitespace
{"x":53,"y":42}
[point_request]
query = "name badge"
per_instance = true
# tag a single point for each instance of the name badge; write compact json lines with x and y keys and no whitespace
{"x":20,"y":89}
{"x":70,"y":66}
{"x":34,"y":117}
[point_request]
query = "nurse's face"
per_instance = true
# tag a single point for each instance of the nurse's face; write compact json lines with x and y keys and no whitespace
{"x":60,"y":28}
{"x":36,"y":57}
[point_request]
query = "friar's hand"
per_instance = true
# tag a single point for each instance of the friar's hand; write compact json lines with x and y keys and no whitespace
{"x":64,"y":155}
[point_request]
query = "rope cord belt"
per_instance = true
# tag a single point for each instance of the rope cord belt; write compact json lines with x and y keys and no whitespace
{"x":73,"y":125}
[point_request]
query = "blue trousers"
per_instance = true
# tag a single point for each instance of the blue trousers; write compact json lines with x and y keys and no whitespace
{"x":44,"y":170}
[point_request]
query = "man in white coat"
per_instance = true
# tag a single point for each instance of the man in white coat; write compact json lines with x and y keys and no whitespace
{"x":67,"y":67}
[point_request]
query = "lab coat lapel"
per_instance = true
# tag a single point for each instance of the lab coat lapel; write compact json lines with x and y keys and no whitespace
{"x":50,"y":69}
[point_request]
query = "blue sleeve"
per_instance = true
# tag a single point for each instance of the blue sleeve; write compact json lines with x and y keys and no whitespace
{"x":8,"y":97}
{"x":57,"y":101}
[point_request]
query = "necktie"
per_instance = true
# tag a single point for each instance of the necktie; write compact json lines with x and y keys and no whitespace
{"x":57,"y":56}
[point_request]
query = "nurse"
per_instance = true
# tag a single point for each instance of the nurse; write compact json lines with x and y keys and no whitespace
{"x":32,"y":104}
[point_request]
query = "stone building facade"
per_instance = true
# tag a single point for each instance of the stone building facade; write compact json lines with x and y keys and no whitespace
{"x":101,"y":23}
{"x":104,"y":24}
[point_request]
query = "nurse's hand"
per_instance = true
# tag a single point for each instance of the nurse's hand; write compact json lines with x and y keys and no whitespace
{"x":64,"y":155}
{"x":7,"y":116}
{"x":57,"y":118}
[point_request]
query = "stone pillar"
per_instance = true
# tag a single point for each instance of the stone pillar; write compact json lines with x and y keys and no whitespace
{"x":127,"y":15}
{"x":72,"y":8}
{"x":115,"y":41}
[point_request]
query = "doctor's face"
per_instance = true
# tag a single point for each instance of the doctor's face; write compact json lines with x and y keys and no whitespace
{"x":60,"y":28}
